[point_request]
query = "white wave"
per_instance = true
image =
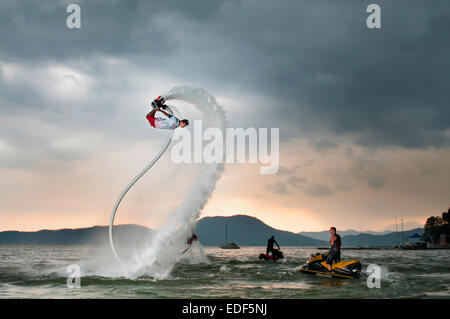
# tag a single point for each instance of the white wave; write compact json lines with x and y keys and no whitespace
{"x":195,"y":254}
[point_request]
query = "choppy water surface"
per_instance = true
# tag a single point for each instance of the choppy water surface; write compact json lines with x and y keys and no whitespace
{"x":40,"y":272}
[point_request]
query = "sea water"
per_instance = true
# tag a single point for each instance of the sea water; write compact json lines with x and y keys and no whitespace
{"x":41,"y":272}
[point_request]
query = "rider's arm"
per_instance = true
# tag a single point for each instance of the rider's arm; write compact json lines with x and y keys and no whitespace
{"x":151,"y":113}
{"x":277,"y":244}
{"x":165,"y":113}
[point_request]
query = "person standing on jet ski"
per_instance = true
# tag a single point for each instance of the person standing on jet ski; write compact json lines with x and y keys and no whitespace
{"x":270,"y":243}
{"x":335,"y":252}
{"x":170,"y":123}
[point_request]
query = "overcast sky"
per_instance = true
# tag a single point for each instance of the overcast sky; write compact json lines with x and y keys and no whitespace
{"x":364,"y":114}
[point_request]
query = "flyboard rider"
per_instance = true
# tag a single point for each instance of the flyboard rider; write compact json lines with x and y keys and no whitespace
{"x":168,"y":123}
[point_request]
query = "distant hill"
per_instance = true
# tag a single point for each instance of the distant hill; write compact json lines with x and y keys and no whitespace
{"x":97,"y":235}
{"x":242,"y":229}
{"x":390,"y":239}
{"x":325,"y":234}
{"x":407,"y":225}
{"x":247,"y":231}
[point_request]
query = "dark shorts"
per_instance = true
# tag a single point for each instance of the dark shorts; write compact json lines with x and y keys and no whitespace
{"x":333,"y":255}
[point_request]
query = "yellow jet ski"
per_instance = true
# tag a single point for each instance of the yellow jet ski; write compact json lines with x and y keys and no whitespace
{"x":316,"y":265}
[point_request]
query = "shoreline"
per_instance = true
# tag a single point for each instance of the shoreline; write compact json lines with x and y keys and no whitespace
{"x":384,"y":248}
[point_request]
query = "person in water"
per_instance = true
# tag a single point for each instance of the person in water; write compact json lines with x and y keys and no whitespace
{"x":335,"y":252}
{"x":270,"y":243}
{"x":189,"y":241}
{"x":169,"y":123}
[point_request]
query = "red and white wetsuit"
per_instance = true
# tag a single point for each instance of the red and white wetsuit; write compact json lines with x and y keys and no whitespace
{"x":169,"y":123}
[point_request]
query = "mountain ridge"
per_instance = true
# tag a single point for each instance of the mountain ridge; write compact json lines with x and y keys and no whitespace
{"x":243,"y":229}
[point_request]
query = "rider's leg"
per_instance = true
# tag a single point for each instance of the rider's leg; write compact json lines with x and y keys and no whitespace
{"x":151,"y":116}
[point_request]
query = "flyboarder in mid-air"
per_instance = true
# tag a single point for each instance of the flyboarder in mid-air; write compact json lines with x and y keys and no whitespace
{"x":170,"y":123}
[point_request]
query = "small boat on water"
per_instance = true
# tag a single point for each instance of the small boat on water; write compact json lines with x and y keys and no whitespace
{"x":229,"y":245}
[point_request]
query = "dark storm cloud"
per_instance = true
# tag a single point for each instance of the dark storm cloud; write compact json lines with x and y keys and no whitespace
{"x":376,"y":182}
{"x":283,"y":171}
{"x":323,"y":144}
{"x":37,"y":30}
{"x":296,"y":181}
{"x":342,"y":187}
{"x":318,"y":190}
{"x":320,"y":67}
{"x":278,"y":188}
{"x":314,"y":189}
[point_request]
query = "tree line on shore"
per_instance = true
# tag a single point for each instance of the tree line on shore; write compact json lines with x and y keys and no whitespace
{"x":435,"y":226}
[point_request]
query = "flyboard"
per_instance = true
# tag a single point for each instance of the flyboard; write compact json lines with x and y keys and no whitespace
{"x":130,"y":185}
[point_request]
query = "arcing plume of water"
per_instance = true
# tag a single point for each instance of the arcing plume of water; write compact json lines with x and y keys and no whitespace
{"x":164,"y":250}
